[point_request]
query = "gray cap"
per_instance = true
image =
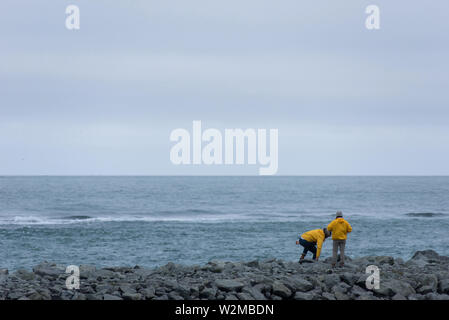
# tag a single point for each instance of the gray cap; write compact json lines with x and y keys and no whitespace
{"x":339,"y":214}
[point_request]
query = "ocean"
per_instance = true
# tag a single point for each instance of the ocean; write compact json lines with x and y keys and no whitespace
{"x":150,"y":221}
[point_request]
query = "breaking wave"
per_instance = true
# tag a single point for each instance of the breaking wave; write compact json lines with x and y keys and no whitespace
{"x":425,"y":214}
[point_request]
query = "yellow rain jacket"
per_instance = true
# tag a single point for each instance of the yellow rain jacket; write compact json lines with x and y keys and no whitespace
{"x":317,"y":236}
{"x":339,"y":228}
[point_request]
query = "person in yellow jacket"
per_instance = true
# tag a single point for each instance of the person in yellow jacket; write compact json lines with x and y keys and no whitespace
{"x":339,"y":228}
{"x":313,"y":241}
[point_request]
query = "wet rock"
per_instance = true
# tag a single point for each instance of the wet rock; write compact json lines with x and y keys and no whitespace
{"x":270,"y":279}
{"x":281,"y":290}
{"x":427,"y":283}
{"x":208,"y":293}
{"x":86,"y":271}
{"x":49,"y":270}
{"x":111,"y":297}
{"x":415,"y":297}
{"x":443,"y":286}
{"x":398,"y":296}
{"x":331,"y":280}
{"x":253,"y":264}
{"x":148,"y":293}
{"x":229,"y":285}
{"x":328,"y":296}
{"x":361,"y":281}
{"x":434,"y":296}
{"x":183,"y":290}
{"x":244,"y":296}
{"x":303,"y":296}
{"x":77,"y":296}
{"x":385,"y":260}
{"x":392,"y":287}
{"x":428,"y":255}
{"x":341,"y":287}
{"x":300,"y":284}
{"x":358,"y":291}
{"x":25,"y":275}
{"x":349,"y":278}
{"x":254,"y":292}
{"x":131,"y":296}
{"x":217,"y":267}
{"x":341,"y":296}
{"x":174,"y":296}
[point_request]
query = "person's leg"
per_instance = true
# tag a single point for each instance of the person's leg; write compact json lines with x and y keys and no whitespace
{"x":334,"y":252}
{"x":305,"y":244}
{"x":312,"y":249}
{"x":342,"y":252}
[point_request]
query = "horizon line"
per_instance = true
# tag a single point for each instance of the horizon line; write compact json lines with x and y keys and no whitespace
{"x":223,"y":175}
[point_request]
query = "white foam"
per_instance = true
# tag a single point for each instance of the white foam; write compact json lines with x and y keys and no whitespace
{"x":35,"y":220}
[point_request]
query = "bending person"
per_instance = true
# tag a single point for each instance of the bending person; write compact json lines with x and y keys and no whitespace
{"x":313,"y":241}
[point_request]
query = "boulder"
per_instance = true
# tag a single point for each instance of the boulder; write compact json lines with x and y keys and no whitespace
{"x":111,"y":297}
{"x":254,"y":292}
{"x":300,"y":284}
{"x":24,"y":275}
{"x":428,"y":255}
{"x":208,"y":293}
{"x":303,"y":296}
{"x":216,"y":266}
{"x":50,"y":270}
{"x":340,"y":287}
{"x":229,"y":285}
{"x":148,"y":293}
{"x":173,"y":295}
{"x":427,"y":283}
{"x":328,"y":296}
{"x":349,"y":278}
{"x":86,"y":271}
{"x":384,"y":260}
{"x":398,"y":296}
{"x":331,"y":280}
{"x":131,"y":296}
{"x":341,"y":296}
{"x":281,"y":290}
{"x":434,"y":296}
{"x":244,"y":296}
{"x":392,"y":287}
{"x":443,"y":286}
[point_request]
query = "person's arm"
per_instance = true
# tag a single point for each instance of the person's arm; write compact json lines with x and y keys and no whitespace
{"x":330,"y":226}
{"x":349,"y":228}
{"x":319,"y":244}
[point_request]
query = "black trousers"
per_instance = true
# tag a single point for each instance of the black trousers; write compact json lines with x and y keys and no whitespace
{"x":308,"y":246}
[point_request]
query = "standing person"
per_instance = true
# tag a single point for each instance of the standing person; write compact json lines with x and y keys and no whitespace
{"x":313,"y":241}
{"x":339,"y":228}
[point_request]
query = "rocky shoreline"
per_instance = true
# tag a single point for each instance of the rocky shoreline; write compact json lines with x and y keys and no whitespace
{"x":424,"y":277}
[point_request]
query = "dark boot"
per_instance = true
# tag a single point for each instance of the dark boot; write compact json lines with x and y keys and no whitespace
{"x":302,"y":257}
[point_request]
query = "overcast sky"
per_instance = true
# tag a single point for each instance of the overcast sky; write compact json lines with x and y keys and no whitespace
{"x":104,"y":99}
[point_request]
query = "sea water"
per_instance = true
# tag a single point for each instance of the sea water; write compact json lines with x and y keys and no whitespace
{"x":150,"y":221}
